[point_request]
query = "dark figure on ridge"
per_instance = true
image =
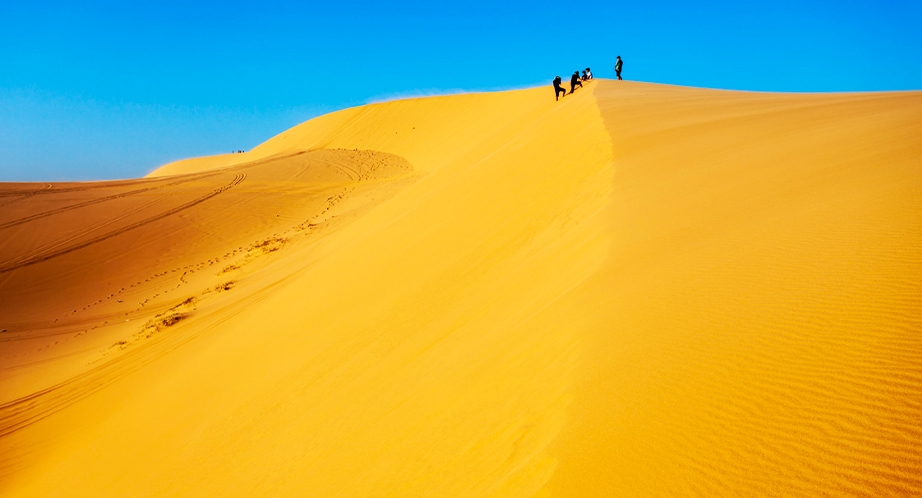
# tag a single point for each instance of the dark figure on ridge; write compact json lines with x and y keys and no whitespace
{"x":574,"y":80}
{"x":588,"y":74}
{"x":557,"y":89}
{"x":618,"y":65}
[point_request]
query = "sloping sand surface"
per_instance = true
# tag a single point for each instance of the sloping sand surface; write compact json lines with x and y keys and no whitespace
{"x":762,"y":332}
{"x":640,"y":290}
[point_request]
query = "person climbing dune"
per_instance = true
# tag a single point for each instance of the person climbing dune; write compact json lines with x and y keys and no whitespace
{"x":618,"y":65}
{"x":557,"y":89}
{"x":574,"y":80}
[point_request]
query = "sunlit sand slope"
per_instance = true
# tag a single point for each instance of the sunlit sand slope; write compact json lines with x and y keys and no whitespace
{"x":199,"y":164}
{"x":637,"y":291}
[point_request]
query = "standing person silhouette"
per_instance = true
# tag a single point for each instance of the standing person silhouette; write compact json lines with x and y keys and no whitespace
{"x":557,"y":89}
{"x":574,"y":80}
{"x":618,"y":64}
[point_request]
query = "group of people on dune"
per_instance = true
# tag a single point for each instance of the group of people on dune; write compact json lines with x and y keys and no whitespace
{"x":576,"y":80}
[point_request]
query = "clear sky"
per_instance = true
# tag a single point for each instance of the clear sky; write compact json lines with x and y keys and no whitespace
{"x":95,"y":90}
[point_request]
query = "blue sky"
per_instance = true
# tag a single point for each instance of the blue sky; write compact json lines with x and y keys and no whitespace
{"x":95,"y":90}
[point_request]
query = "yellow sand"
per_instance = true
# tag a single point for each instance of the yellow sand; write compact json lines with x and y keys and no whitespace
{"x":640,"y":290}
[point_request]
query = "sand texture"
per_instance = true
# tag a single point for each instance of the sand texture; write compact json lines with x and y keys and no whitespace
{"x":640,"y":290}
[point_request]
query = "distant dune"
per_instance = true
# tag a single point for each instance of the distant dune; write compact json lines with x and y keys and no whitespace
{"x":640,"y":290}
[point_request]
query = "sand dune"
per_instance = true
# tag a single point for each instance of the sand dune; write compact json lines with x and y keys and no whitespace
{"x":641,"y":290}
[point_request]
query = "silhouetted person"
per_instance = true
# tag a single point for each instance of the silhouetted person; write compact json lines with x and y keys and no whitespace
{"x":574,"y":80}
{"x":582,"y":76}
{"x":588,"y":74}
{"x":618,"y":64}
{"x":557,"y":89}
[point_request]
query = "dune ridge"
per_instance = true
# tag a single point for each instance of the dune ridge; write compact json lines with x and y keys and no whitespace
{"x":640,"y":290}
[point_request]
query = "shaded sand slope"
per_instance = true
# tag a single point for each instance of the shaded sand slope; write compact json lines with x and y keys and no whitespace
{"x":85,"y":267}
{"x":763,"y":324}
{"x":640,"y":290}
{"x":66,"y":318}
